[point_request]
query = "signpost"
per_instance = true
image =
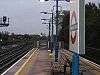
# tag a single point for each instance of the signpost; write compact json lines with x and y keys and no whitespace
{"x":4,"y":21}
{"x":77,"y":26}
{"x":77,"y":32}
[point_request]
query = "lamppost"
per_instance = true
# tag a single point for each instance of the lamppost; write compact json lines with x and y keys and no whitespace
{"x":56,"y":43}
{"x":49,"y":32}
{"x":56,"y":40}
{"x":56,"y":46}
{"x":52,"y":29}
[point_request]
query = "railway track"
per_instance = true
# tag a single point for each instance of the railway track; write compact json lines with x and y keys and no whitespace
{"x":10,"y":56}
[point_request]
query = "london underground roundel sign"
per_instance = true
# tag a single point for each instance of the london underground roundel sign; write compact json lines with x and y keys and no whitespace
{"x":77,"y":26}
{"x":74,"y":32}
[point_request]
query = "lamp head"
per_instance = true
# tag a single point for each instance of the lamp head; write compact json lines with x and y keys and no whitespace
{"x":43,"y":0}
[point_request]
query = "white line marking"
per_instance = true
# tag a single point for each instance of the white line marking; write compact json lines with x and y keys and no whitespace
{"x":15,"y":63}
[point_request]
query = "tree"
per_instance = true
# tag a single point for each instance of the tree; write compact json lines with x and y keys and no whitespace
{"x":64,"y":32}
{"x":92,"y":26}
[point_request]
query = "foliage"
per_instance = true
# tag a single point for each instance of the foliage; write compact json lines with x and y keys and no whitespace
{"x":64,"y":32}
{"x":8,"y":39}
{"x":92,"y":26}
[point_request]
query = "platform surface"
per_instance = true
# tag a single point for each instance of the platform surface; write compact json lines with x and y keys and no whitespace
{"x":41,"y":66}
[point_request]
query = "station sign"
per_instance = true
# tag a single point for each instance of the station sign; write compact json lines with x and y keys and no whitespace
{"x":77,"y":26}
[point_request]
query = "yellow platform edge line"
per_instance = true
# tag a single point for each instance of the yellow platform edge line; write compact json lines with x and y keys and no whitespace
{"x":23,"y":68}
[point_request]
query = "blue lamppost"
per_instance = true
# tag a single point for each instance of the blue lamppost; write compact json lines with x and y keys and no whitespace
{"x":49,"y":37}
{"x":56,"y":45}
{"x":52,"y":29}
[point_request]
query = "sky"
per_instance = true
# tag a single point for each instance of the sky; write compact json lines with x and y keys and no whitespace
{"x":25,"y":16}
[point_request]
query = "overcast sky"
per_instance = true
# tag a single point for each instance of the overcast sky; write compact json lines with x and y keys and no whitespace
{"x":25,"y":15}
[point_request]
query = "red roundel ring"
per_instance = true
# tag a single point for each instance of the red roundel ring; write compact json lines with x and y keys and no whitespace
{"x":73,"y":33}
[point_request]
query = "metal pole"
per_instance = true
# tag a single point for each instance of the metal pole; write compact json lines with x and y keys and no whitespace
{"x":75,"y":64}
{"x":56,"y":44}
{"x":49,"y":34}
{"x":57,"y":20}
{"x":52,"y":34}
{"x":65,"y":73}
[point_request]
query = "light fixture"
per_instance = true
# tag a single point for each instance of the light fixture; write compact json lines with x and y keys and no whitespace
{"x":43,"y":0}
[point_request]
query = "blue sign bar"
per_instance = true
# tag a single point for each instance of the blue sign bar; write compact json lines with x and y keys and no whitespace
{"x":75,"y":64}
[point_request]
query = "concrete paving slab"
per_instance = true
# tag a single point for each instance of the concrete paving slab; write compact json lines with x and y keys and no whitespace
{"x":41,"y":66}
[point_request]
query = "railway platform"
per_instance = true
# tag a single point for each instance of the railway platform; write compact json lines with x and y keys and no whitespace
{"x":38,"y":62}
{"x":41,"y":66}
